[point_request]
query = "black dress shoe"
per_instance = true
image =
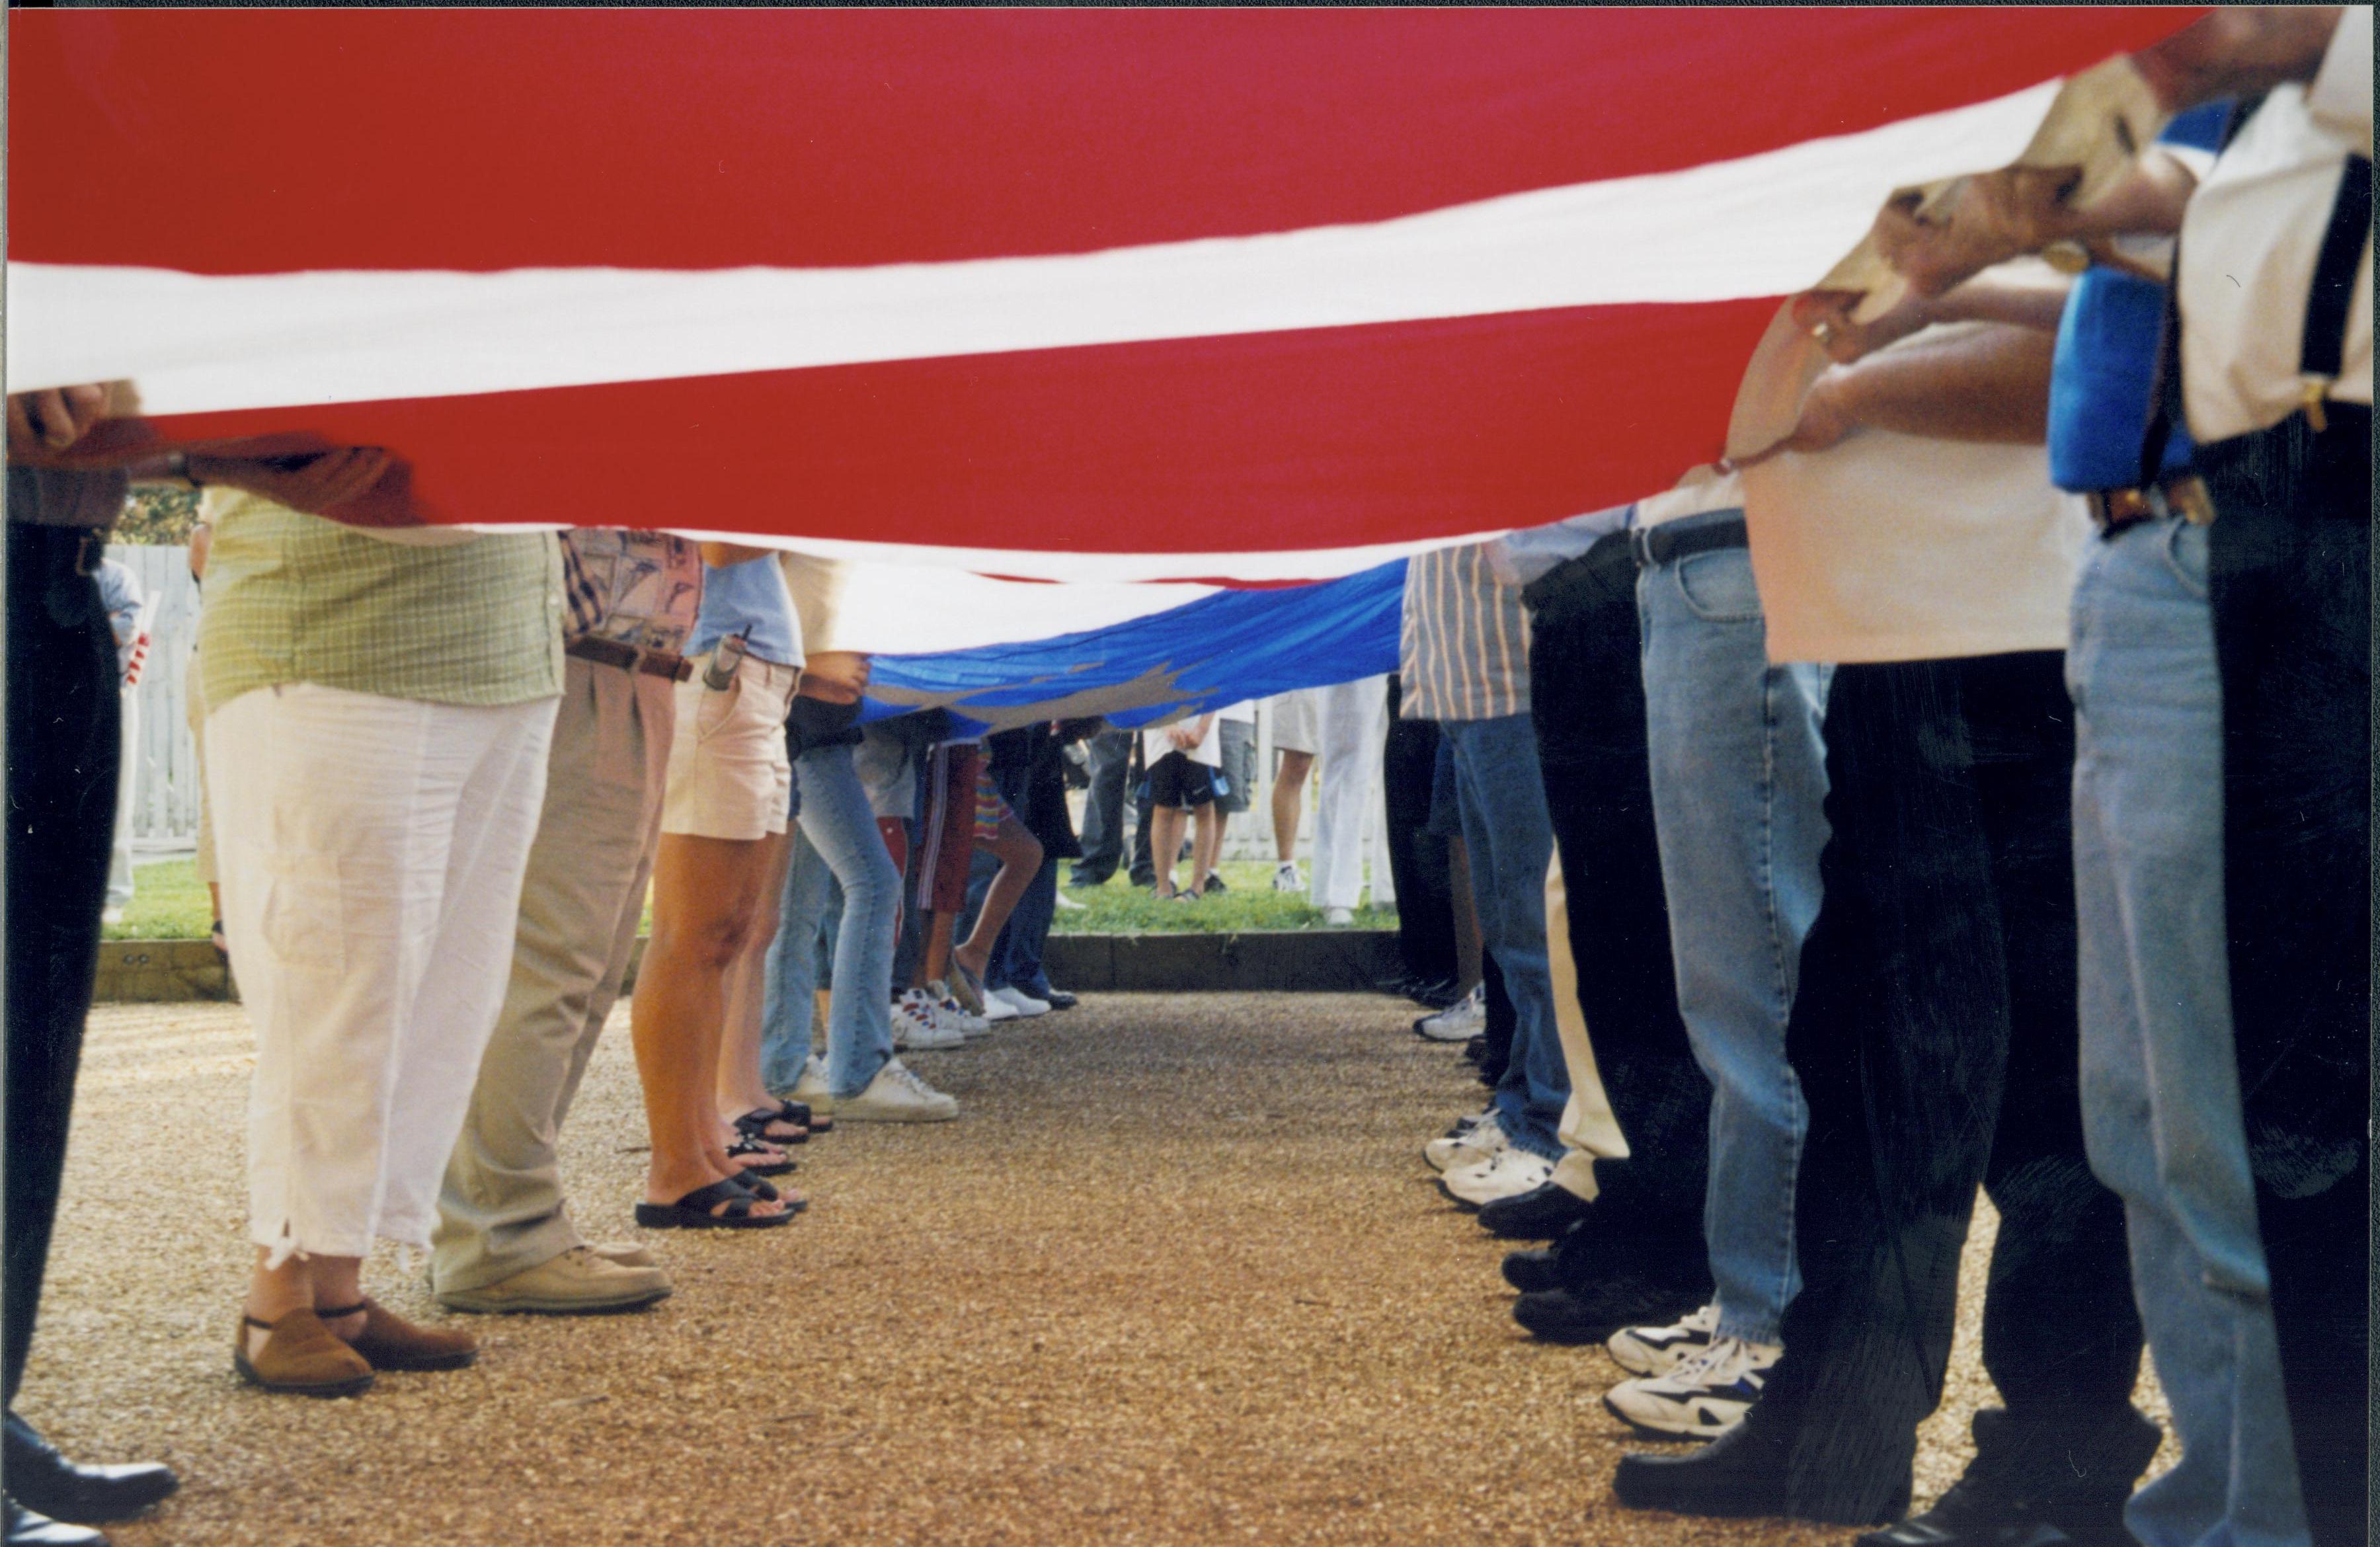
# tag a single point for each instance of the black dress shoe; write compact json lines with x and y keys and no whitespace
{"x":40,"y":1480}
{"x":2036,"y":1485}
{"x":26,"y":1529}
{"x":1571,"y":1314}
{"x":1740,"y":1473}
{"x":1533,"y":1269}
{"x":1539,"y":1215}
{"x":1475,"y":1049}
{"x":1056,"y":999}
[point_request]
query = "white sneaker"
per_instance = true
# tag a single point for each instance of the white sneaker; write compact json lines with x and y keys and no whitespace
{"x":952,"y":1015}
{"x":1457,"y":1023}
{"x":1506,"y":1174}
{"x":1659,"y":1350}
{"x":897,"y":1095}
{"x":917,"y":1028}
{"x":1474,"y":1144}
{"x":1068,"y":905}
{"x":1021,"y":1001}
{"x":811,"y":1089}
{"x":1704,"y":1397}
{"x":1338,"y":918}
{"x":1286,"y":878}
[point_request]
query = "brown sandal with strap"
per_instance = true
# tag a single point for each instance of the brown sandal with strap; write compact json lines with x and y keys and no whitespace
{"x":390,"y":1342}
{"x":300,"y":1356}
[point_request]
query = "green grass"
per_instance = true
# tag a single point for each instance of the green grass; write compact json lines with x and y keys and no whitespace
{"x":169,"y":904}
{"x":1120,"y":908}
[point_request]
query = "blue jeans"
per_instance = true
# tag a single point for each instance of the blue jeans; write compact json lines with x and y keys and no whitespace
{"x":1510,"y":836}
{"x":2160,"y":1085}
{"x":839,"y":843}
{"x":1739,"y":790}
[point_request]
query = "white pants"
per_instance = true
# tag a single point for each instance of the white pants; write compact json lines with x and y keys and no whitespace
{"x":371,"y":851}
{"x":128,"y":785}
{"x":1353,"y":730}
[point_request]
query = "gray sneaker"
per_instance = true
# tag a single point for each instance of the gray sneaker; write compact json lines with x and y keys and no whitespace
{"x":897,"y":1095}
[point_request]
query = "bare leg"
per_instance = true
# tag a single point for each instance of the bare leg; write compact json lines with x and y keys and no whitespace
{"x":1165,"y":845}
{"x":705,"y":895}
{"x":1467,"y":916}
{"x":740,"y":1087}
{"x":303,"y":1283}
{"x":1019,"y":854}
{"x":1289,"y":801}
{"x":934,"y":961}
{"x":1206,"y":842}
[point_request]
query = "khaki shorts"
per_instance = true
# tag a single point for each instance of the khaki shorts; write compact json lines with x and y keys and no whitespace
{"x":729,"y":776}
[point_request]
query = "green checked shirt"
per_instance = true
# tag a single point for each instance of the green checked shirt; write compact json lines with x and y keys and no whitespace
{"x":295,"y":598}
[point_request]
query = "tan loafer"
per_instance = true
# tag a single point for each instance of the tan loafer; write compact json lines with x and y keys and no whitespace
{"x":580,"y":1282}
{"x":300,"y":1356}
{"x":390,"y":1342}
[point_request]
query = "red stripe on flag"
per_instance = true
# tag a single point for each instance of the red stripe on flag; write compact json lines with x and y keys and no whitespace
{"x":229,"y":141}
{"x":1319,"y":438}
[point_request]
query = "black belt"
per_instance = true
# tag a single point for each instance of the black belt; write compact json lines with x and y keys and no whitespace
{"x":2113,"y":510}
{"x":1660,"y":544}
{"x":611,"y":652}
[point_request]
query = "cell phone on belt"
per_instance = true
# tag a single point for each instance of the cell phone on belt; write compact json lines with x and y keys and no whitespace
{"x":720,"y":675}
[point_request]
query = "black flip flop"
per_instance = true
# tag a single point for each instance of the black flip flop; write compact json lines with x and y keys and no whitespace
{"x":743,"y":1147}
{"x":768,"y":1194}
{"x":755,"y":1126}
{"x":693,"y":1210}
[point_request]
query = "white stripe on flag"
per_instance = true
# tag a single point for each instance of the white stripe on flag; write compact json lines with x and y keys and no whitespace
{"x":1761,"y":225}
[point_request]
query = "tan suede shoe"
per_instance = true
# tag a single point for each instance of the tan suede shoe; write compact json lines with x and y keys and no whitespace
{"x":580,"y":1282}
{"x":390,"y":1342}
{"x":300,"y":1356}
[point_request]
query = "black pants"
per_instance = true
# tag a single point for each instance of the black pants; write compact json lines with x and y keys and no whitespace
{"x":1417,"y":860}
{"x":1110,"y":759}
{"x":63,"y":713}
{"x":1936,"y":1038}
{"x":1587,"y":685}
{"x":2289,"y":566}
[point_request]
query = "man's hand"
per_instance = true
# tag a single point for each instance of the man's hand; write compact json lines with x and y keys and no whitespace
{"x":53,"y":420}
{"x":835,"y":677}
{"x":1985,"y":220}
{"x":317,"y":485}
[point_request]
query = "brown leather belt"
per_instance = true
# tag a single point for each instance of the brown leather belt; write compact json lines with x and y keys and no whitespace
{"x":611,"y":652}
{"x":2112,"y":510}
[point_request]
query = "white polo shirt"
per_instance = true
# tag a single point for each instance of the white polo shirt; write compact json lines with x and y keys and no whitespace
{"x":2248,"y":240}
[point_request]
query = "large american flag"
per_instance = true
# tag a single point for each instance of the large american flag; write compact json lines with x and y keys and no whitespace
{"x":1097,"y":296}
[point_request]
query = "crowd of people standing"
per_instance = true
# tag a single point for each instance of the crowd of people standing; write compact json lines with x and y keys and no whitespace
{"x":1964,"y":787}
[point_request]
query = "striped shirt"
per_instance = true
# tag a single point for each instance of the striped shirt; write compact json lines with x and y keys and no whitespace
{"x":295,"y":598}
{"x":1465,"y":650}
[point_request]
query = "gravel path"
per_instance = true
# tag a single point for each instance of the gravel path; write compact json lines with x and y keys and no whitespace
{"x":1177,"y":1275}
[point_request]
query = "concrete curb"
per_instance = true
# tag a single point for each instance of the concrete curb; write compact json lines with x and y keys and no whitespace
{"x":1267,"y":961}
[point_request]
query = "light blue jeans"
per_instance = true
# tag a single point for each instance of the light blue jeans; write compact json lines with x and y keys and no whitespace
{"x":2160,"y":1082}
{"x":839,"y":843}
{"x":1510,"y":836}
{"x":1739,"y":794}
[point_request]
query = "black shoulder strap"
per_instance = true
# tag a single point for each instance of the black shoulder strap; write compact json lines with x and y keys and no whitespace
{"x":2333,"y":290}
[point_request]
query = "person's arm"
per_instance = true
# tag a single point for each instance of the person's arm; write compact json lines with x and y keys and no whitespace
{"x":1991,"y":384}
{"x":1827,"y":313}
{"x":835,"y":677}
{"x":1186,"y":737}
{"x":2005,"y":215}
{"x":2236,"y":50}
